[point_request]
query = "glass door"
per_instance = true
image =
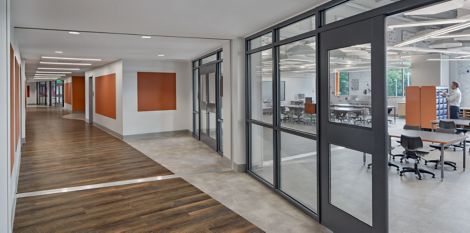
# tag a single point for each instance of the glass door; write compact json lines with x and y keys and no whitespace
{"x":353,"y":126}
{"x":208,"y":104}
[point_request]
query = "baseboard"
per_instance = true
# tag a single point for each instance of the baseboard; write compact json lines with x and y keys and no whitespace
{"x":161,"y":134}
{"x":239,"y":167}
{"x":112,"y":133}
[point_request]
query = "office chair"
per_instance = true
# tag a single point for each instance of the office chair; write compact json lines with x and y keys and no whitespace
{"x":413,"y":146}
{"x":389,"y":110}
{"x":444,"y":127}
{"x":403,"y":156}
{"x":390,"y":164}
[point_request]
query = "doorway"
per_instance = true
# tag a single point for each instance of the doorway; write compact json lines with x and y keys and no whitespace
{"x":207,"y":104}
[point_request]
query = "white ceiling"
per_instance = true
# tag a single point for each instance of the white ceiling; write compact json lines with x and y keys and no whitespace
{"x":209,"y":19}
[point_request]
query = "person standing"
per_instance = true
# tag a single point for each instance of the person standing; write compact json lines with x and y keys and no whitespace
{"x":454,"y":98}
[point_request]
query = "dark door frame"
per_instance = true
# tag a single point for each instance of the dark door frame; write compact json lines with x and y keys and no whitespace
{"x":91,"y":95}
{"x":205,"y":70}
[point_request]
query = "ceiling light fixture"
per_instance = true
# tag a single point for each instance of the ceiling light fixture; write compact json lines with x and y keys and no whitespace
{"x":58,"y":52}
{"x":428,"y":23}
{"x":145,"y":37}
{"x":452,"y":36}
{"x":74,"y":33}
{"x":65,"y":63}
{"x":424,"y":50}
{"x":71,"y":58}
{"x":438,"y":8}
{"x":50,"y":68}
{"x":53,"y":72}
{"x":49,"y":78}
{"x":432,"y":34}
{"x":161,"y":55}
{"x":448,"y":59}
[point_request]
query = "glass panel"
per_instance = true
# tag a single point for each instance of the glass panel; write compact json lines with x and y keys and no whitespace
{"x":299,"y":169}
{"x":212,"y":107}
{"x":209,"y":59}
{"x":196,"y":124}
{"x":297,"y":28}
{"x":262,"y":162}
{"x":350,"y":183}
{"x":353,"y":62}
{"x":261,"y":75}
{"x":298,"y":79}
{"x":351,"y":8}
{"x":261,"y":41}
{"x":196,"y":90}
{"x":204,"y":104}
{"x":196,"y":64}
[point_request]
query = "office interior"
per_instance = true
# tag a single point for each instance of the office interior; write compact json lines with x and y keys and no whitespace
{"x":254,"y":100}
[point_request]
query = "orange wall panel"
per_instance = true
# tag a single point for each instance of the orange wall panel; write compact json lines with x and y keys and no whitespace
{"x":78,"y":94}
{"x":156,"y":91}
{"x":413,"y":106}
{"x":428,"y":106}
{"x":105,"y":95}
{"x":68,"y":93}
{"x":12,"y":105}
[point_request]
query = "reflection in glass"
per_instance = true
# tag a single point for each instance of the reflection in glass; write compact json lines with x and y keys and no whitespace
{"x":299,"y":169}
{"x":261,"y":76}
{"x":351,"y":8}
{"x":350,"y":183}
{"x":261,"y":41}
{"x":297,"y":28}
{"x":350,"y":68}
{"x":298,"y":78}
{"x":262,"y":158}
{"x":196,"y":89}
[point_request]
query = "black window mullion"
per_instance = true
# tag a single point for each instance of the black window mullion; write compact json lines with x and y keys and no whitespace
{"x":276,"y":114}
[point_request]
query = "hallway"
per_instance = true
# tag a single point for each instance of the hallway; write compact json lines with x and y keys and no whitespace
{"x":76,"y":178}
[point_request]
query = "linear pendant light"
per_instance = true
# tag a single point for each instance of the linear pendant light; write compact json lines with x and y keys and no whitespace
{"x":53,"y":72}
{"x":65,"y":63}
{"x":71,"y":58}
{"x":432,"y":34}
{"x":50,"y":68}
{"x":429,"y":23}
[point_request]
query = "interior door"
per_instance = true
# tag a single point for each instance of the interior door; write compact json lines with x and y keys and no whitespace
{"x":208,"y":104}
{"x":353,"y":198}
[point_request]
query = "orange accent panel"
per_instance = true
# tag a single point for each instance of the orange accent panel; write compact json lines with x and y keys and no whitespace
{"x":156,"y":91}
{"x":413,"y":106}
{"x":428,"y":106}
{"x":12,"y":112}
{"x":105,"y":95}
{"x":68,"y":93}
{"x":78,"y":93}
{"x":337,"y":84}
{"x":17,"y":103}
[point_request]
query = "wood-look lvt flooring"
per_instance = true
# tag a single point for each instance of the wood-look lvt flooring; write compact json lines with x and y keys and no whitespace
{"x":171,"y":205}
{"x":61,"y":153}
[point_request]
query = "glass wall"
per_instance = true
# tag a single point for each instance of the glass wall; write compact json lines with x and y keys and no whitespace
{"x":282,"y":112}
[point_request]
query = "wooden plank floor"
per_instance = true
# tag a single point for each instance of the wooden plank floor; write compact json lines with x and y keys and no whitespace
{"x":171,"y":205}
{"x":62,"y":153}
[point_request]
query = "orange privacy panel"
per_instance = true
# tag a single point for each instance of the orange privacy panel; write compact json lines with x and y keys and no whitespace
{"x":413,"y":106}
{"x":105,"y":95}
{"x":12,"y":112}
{"x":68,"y":93}
{"x":78,"y":93}
{"x":17,"y":103}
{"x":428,"y":106}
{"x":156,"y":91}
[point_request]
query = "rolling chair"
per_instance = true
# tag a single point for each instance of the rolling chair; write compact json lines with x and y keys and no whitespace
{"x":444,"y":127}
{"x":403,"y":156}
{"x":390,"y":164}
{"x":413,"y":150}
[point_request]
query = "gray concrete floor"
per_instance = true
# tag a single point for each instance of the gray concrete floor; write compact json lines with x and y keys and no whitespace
{"x":416,"y":206}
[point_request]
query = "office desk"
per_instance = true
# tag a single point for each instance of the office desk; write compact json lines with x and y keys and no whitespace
{"x":443,"y":139}
{"x":458,"y":122}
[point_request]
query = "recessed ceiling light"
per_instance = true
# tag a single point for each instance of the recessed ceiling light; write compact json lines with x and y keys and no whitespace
{"x":58,"y":52}
{"x":53,"y":72}
{"x":65,"y":63}
{"x":50,"y":68}
{"x":161,"y":55}
{"x":145,"y":37}
{"x":72,"y":58}
{"x":74,"y":33}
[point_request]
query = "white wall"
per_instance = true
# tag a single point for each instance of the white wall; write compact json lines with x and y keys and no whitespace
{"x":157,"y":121}
{"x":429,"y":73}
{"x":460,"y":72}
{"x":32,"y":100}
{"x":115,"y":125}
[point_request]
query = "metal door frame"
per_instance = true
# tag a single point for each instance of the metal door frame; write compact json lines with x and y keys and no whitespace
{"x":205,"y":136}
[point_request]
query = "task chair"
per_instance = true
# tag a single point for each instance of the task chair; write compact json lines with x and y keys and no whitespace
{"x":403,"y":156}
{"x":390,"y":164}
{"x":413,"y":150}
{"x":444,"y":127}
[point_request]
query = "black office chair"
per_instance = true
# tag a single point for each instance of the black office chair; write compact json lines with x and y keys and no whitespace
{"x":413,"y":150}
{"x":390,"y":164}
{"x":444,"y":127}
{"x":407,"y":127}
{"x":389,"y":110}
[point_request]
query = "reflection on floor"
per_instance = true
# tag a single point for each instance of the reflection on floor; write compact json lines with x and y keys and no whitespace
{"x":417,"y":206}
